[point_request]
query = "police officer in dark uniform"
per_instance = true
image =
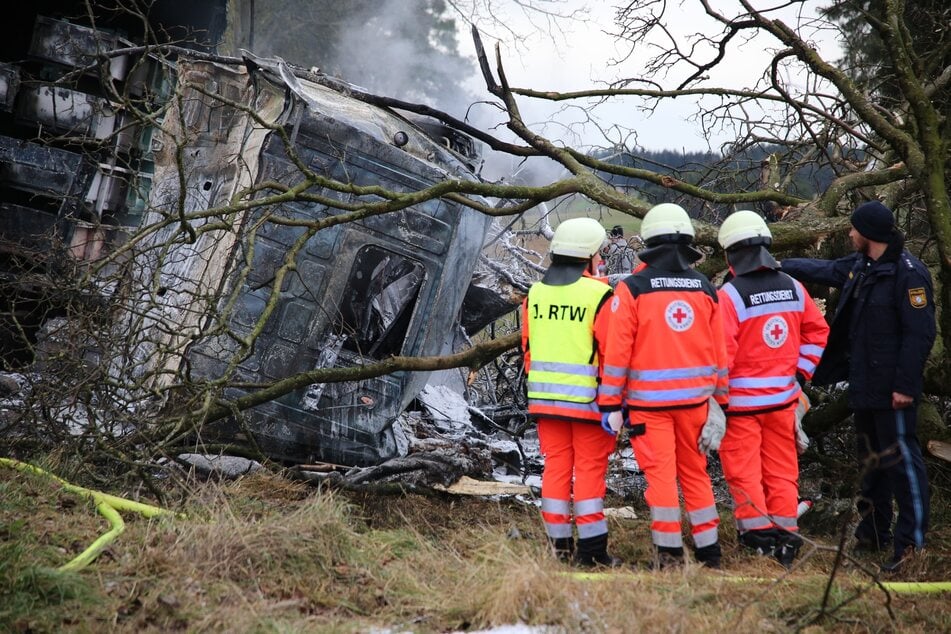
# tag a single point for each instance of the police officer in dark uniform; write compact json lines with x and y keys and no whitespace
{"x":881,"y":335}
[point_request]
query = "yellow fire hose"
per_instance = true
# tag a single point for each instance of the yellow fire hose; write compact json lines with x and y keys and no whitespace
{"x":107,"y":505}
{"x":901,"y":587}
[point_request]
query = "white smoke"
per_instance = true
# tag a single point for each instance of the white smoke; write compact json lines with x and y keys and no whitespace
{"x":380,"y":50}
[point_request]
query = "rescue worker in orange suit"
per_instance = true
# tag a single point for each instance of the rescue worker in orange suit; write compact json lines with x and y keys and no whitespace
{"x":775,"y":336}
{"x":564,"y":330}
{"x":666,"y":364}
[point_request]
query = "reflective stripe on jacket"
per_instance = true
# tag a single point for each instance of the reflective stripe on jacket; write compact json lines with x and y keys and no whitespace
{"x":564,"y":361}
{"x":665,"y":343}
{"x":773,"y":329}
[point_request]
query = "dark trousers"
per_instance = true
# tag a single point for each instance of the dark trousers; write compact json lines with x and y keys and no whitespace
{"x":893,"y":468}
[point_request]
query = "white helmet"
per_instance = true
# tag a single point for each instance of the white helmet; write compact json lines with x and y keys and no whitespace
{"x":744,"y":226}
{"x":578,"y":238}
{"x":666,"y":219}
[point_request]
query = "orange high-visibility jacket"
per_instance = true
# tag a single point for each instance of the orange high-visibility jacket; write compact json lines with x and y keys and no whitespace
{"x":575,"y":322}
{"x":665,"y":342}
{"x":773,"y":330}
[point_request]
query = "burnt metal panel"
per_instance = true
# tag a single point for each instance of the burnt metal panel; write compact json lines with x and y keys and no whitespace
{"x":77,"y":46}
{"x":48,"y":178}
{"x":65,"y":110}
{"x":38,"y":168}
{"x":350,"y":155}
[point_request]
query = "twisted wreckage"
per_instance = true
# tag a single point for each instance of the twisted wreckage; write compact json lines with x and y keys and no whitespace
{"x":363,"y":290}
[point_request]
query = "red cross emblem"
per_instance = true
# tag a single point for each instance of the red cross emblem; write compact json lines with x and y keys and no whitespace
{"x":679,"y":315}
{"x":775,"y":331}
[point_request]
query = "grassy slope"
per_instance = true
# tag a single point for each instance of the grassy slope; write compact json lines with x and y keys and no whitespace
{"x":266,"y":554}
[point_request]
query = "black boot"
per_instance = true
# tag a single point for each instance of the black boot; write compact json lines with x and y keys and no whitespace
{"x":593,"y":551}
{"x":563,"y":547}
{"x":787,"y":547}
{"x":708,"y":556}
{"x":667,"y":557}
{"x":896,"y":563}
{"x":762,"y":542}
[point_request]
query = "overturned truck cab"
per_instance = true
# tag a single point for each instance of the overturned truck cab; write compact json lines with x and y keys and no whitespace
{"x":295,"y":296}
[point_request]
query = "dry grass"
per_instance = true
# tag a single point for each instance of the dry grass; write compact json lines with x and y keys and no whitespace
{"x":266,"y":554}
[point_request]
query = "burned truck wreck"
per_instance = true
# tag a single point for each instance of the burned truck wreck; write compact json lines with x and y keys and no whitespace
{"x":232,"y":225}
{"x":385,"y":285}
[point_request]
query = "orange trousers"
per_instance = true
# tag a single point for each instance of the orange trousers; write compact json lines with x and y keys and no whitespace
{"x":761,"y":467}
{"x":576,"y":462}
{"x":667,"y":452}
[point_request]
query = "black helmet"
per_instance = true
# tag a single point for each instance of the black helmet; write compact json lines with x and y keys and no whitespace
{"x":617,"y":231}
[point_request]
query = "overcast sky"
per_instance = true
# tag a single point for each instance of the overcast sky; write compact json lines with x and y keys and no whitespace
{"x":578,"y":56}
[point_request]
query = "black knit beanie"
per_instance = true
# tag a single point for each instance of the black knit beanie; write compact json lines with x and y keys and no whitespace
{"x":874,"y":221}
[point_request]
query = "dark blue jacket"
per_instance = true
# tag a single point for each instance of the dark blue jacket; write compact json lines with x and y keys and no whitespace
{"x":883,"y":327}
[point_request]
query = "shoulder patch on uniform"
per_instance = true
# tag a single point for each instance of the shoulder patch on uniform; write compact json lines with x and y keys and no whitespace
{"x":917,"y":297}
{"x":615,"y":302}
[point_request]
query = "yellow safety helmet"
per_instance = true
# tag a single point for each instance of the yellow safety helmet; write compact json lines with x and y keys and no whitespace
{"x":744,"y":228}
{"x":666,"y":220}
{"x":578,"y":238}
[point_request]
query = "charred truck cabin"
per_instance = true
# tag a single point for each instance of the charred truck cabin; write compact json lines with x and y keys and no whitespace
{"x":349,"y":293}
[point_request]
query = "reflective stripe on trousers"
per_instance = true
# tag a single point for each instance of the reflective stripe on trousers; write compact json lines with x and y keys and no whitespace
{"x":752,"y":523}
{"x":703,"y":526}
{"x":665,"y":526}
{"x":789,"y":523}
{"x":557,"y":517}
{"x":589,"y":517}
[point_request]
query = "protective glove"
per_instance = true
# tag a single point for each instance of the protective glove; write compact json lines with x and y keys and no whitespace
{"x":611,"y":422}
{"x":713,"y":429}
{"x":802,"y":440}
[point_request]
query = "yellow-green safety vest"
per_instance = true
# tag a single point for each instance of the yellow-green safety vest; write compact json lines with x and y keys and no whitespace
{"x":564,"y":363}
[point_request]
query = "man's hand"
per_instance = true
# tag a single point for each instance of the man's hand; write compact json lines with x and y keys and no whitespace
{"x":713,"y":429}
{"x":901,"y":401}
{"x":611,"y":422}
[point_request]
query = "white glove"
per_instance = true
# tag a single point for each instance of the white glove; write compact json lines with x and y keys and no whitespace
{"x":713,"y":429}
{"x":615,"y":420}
{"x":802,"y":440}
{"x":611,"y":423}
